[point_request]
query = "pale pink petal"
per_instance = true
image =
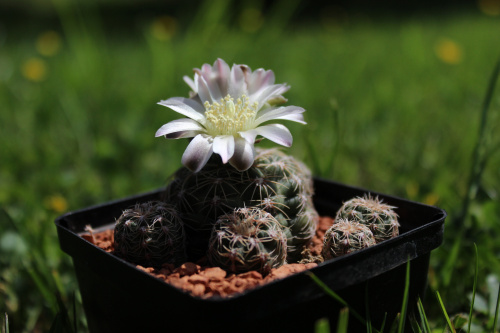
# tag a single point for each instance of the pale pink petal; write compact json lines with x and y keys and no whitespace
{"x":180,"y":128}
{"x":197,"y":152}
{"x":259,"y":79}
{"x":276,"y":133}
{"x":186,"y":107}
{"x":291,"y":112}
{"x":297,"y":117}
{"x":237,"y":85}
{"x":244,"y":154}
{"x":224,"y":146}
{"x":190,"y":83}
{"x":223,"y":73}
{"x":249,"y":135}
{"x":269,"y":93}
{"x":209,"y":84}
{"x":203,"y":90}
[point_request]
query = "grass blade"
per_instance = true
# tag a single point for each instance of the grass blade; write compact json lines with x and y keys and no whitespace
{"x":448,"y":321}
{"x":496,"y":311}
{"x":322,"y":326}
{"x":478,"y":154}
{"x":395,"y":324}
{"x":404,"y":307}
{"x":415,"y":326}
{"x":335,"y":296}
{"x":473,"y":290}
{"x":367,"y":311}
{"x":450,"y":263}
{"x":382,"y":327}
{"x":343,"y":321}
{"x":313,"y":156}
{"x":6,"y":323}
{"x":423,"y":317}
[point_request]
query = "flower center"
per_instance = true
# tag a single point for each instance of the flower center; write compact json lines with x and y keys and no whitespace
{"x":228,"y":117}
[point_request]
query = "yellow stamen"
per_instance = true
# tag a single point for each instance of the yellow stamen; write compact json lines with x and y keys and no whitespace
{"x":228,"y":117}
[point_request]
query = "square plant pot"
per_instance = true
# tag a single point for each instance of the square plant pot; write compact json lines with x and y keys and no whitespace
{"x":118,"y":297}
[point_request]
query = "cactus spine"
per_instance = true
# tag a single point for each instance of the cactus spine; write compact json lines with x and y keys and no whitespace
{"x":247,"y":239}
{"x":344,"y":237}
{"x":150,"y":233}
{"x":276,"y":183}
{"x":372,"y":212}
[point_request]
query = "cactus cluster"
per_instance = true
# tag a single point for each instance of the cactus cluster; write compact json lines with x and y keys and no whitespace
{"x":276,"y":183}
{"x":379,"y":217}
{"x":150,"y":233}
{"x":360,"y":222}
{"x":345,"y":237}
{"x":247,"y":239}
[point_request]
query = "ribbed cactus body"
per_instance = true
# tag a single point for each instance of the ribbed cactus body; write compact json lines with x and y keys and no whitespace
{"x":276,"y":183}
{"x":344,"y":237}
{"x":372,"y":212}
{"x":247,"y":239}
{"x":150,"y":233}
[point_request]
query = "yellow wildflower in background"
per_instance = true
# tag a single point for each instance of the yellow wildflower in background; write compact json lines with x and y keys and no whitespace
{"x":489,"y":7}
{"x":431,"y":199}
{"x":412,"y":189}
{"x":34,"y":69}
{"x":48,"y":43}
{"x":449,"y":51}
{"x":57,"y":203}
{"x":164,"y":27}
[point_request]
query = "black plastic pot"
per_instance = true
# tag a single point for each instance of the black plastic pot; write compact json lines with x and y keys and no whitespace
{"x":118,"y":297}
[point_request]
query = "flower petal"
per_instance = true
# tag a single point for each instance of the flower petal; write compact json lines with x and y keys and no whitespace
{"x":249,"y":135}
{"x":293,"y":113}
{"x":269,"y":93}
{"x":189,"y":82}
{"x":237,"y":85}
{"x":204,"y":90}
{"x":244,"y":154}
{"x":223,"y":74}
{"x":215,"y":79}
{"x":259,"y":79}
{"x":224,"y":146}
{"x":197,"y":152}
{"x":276,"y":133}
{"x":180,"y":128}
{"x":186,"y":107}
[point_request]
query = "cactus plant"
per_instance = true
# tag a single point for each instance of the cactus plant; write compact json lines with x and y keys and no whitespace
{"x":150,"y":233}
{"x":247,"y":239}
{"x":276,"y":183}
{"x":344,"y":237}
{"x":372,"y":212}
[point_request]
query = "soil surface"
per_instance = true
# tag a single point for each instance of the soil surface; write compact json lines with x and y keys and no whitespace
{"x":204,"y":281}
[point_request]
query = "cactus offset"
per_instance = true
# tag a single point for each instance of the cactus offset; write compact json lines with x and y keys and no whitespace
{"x":276,"y":182}
{"x":345,"y":237}
{"x":150,"y":233}
{"x":247,"y":239}
{"x":372,"y":212}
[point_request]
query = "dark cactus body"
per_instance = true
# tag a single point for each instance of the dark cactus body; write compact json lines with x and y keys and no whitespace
{"x":345,"y":237}
{"x":276,"y":183}
{"x":150,"y":234}
{"x":247,"y":239}
{"x":372,"y":212}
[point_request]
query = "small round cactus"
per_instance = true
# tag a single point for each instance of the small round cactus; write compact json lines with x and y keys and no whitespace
{"x":150,"y":233}
{"x":247,"y":239}
{"x":345,"y":237}
{"x":372,"y":212}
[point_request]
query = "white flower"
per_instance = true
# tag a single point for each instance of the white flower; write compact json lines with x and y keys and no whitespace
{"x":225,"y":114}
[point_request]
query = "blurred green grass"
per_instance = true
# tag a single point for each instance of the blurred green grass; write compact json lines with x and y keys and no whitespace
{"x":393,"y":105}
